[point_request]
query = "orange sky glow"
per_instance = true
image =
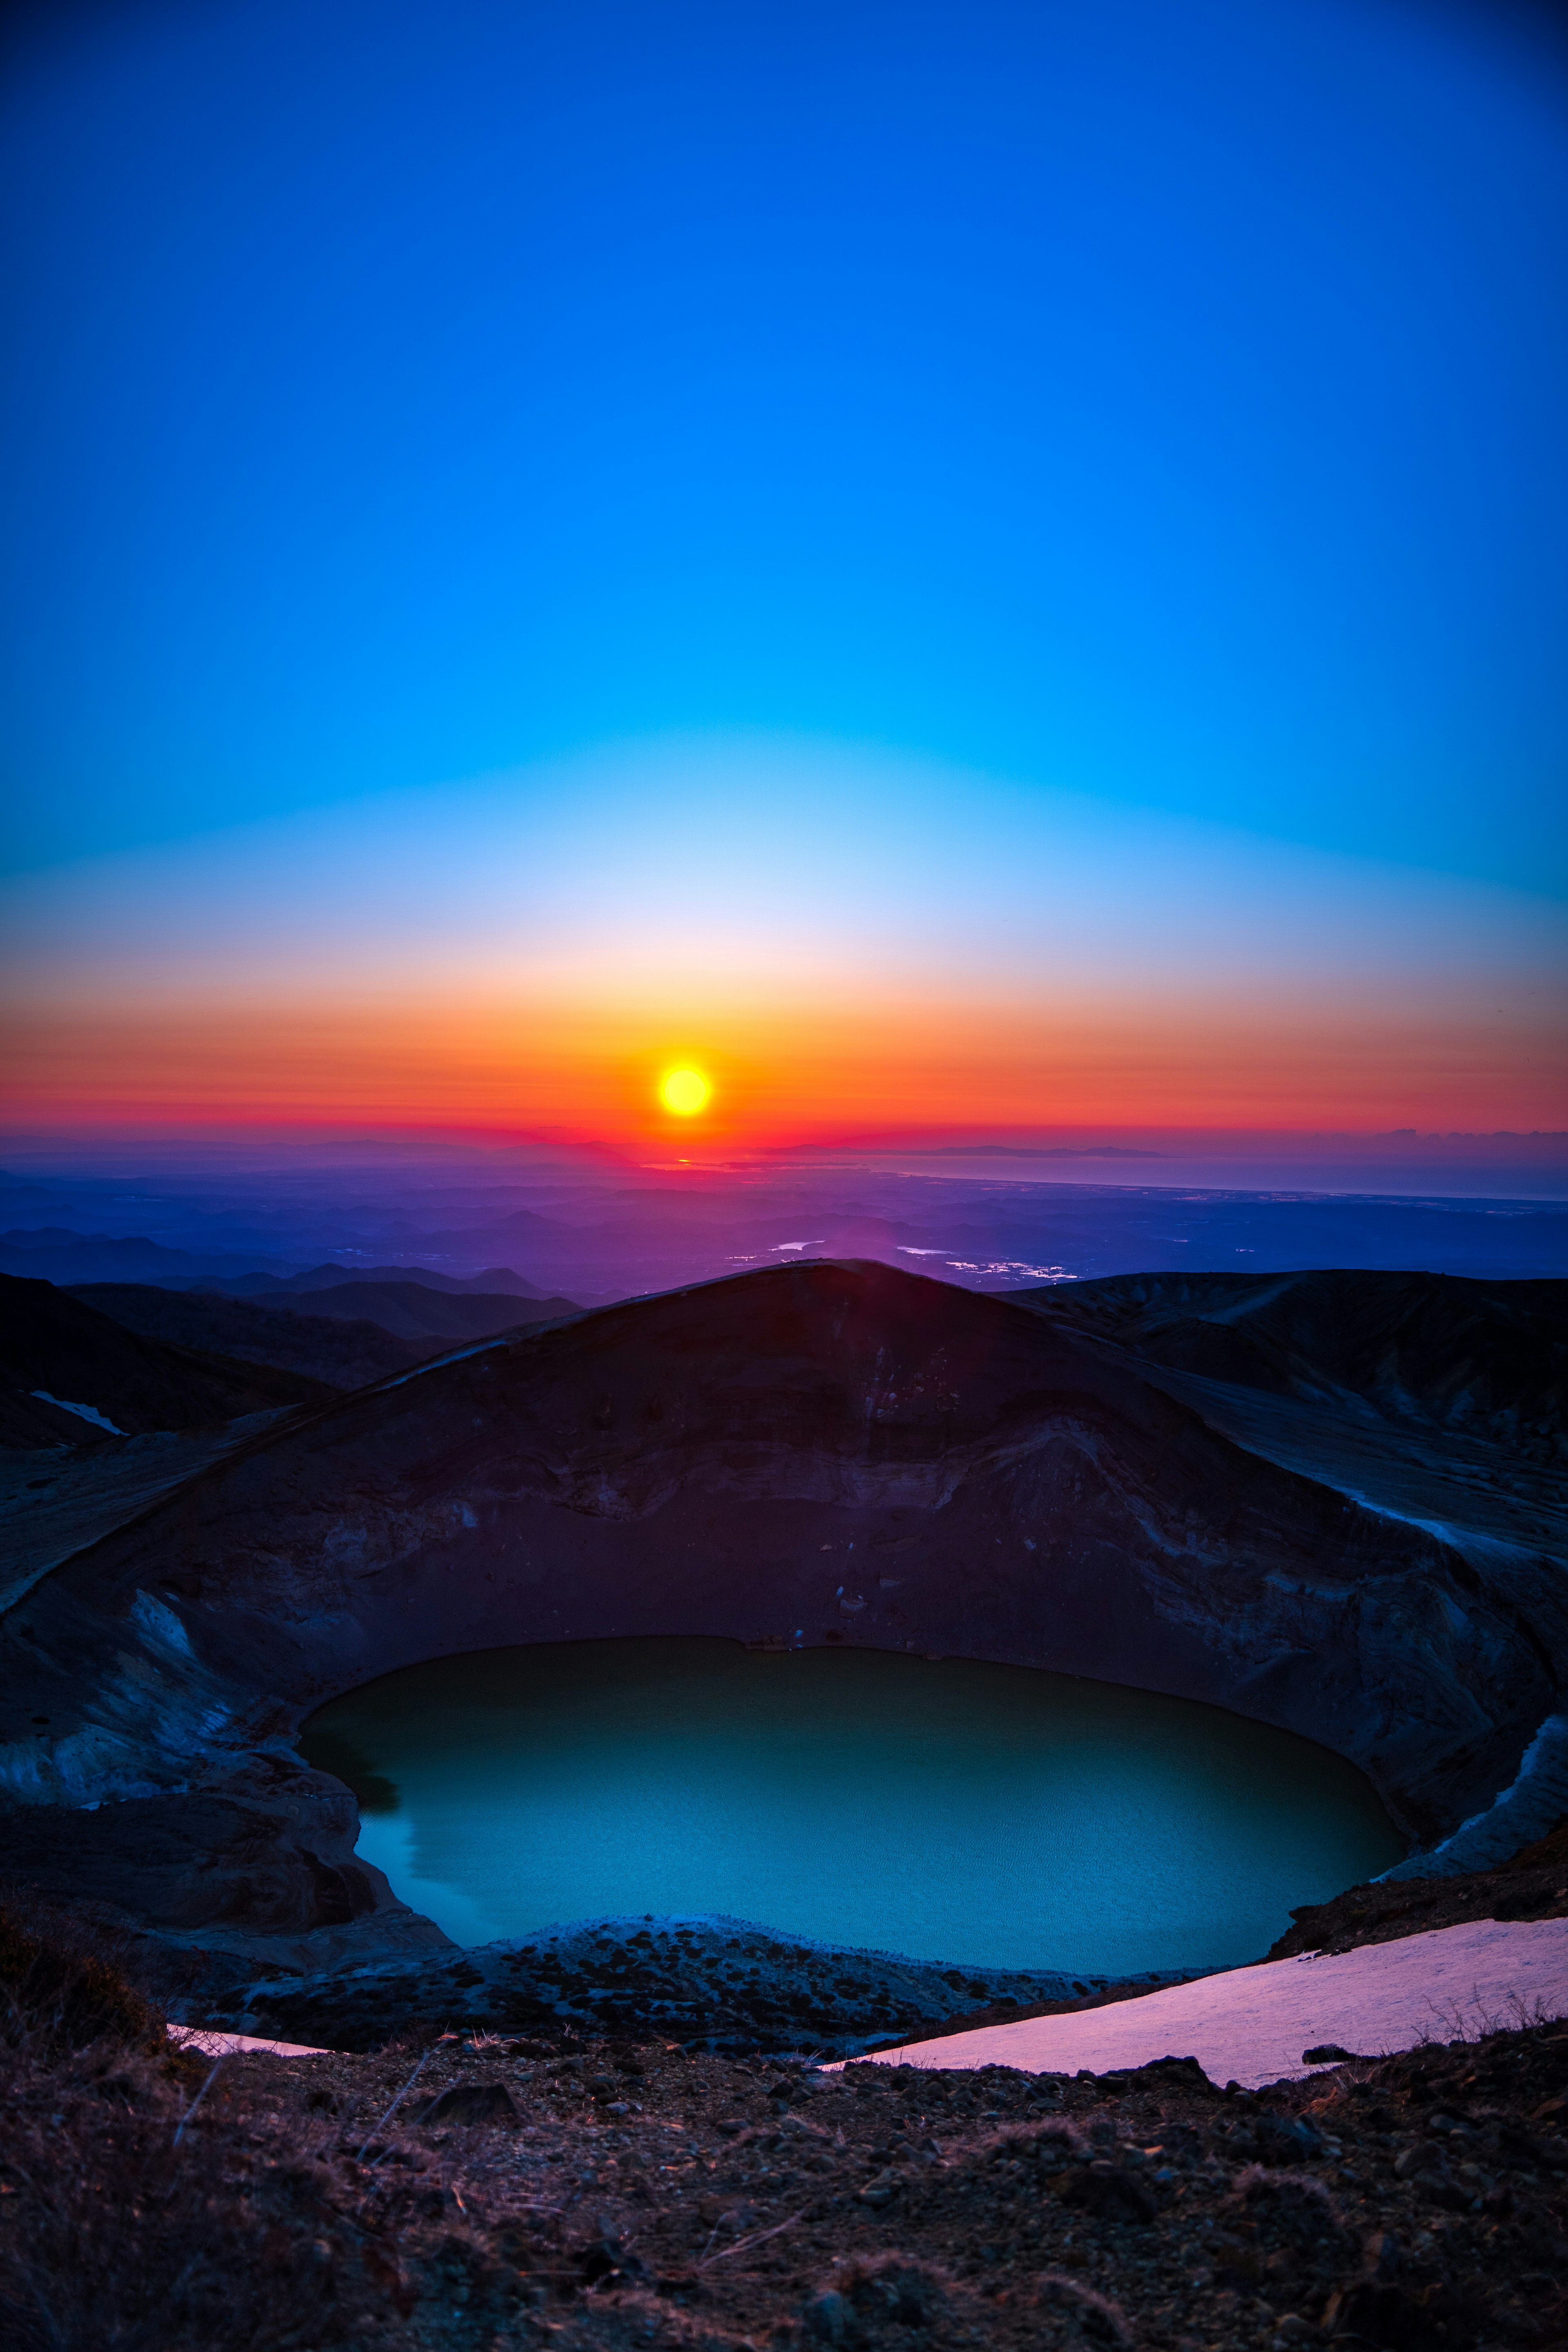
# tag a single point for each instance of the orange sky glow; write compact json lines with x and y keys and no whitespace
{"x":795,"y":1076}
{"x":912,"y":949}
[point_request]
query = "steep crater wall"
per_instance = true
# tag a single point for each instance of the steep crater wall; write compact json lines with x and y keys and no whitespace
{"x":824,"y":1452}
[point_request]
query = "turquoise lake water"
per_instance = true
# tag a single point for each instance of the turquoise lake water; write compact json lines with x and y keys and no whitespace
{"x":990,"y":1815}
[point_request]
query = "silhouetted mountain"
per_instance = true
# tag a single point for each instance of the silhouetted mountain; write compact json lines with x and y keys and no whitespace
{"x":410,"y":1310}
{"x":816,"y":1452}
{"x":120,"y":1382}
{"x":345,"y":1353}
{"x":350,"y":1334}
{"x":1490,"y":1357}
{"x":328,"y":1277}
{"x":54,"y":1253}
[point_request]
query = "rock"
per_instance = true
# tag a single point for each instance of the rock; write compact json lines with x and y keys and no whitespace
{"x":607,"y":2262}
{"x":1110,"y":2191}
{"x":825,"y":2318}
{"x":879,"y":2300}
{"x":468,"y":2103}
{"x":1383,"y":2315}
{"x":799,"y":2127}
{"x":1185,"y":2070}
{"x":1102,"y":2321}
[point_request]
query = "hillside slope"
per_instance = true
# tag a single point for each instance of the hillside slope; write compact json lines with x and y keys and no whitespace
{"x":1490,"y":1358}
{"x":348,"y":1335}
{"x":411,"y":1310}
{"x":345,"y":1353}
{"x":52,"y":1341}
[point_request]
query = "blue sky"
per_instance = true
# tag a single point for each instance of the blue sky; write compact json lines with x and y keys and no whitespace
{"x":1160,"y":403}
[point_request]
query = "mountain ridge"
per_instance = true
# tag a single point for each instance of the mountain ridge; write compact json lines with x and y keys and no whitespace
{"x":420,"y":1321}
{"x":66,"y":1348}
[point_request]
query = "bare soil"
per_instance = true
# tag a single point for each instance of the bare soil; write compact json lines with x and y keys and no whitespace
{"x":618,"y":2193}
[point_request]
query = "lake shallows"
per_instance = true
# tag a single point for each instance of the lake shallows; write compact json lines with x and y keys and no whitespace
{"x":992,"y":1815}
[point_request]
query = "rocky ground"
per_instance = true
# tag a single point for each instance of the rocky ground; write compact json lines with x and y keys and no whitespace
{"x":710,"y":1982}
{"x":484,"y":2193}
{"x":1533,"y":1885}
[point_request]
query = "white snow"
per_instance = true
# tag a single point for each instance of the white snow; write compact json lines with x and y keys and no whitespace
{"x":1535,"y":1798}
{"x":84,"y":1411}
{"x":1251,"y":2025}
{"x":219,"y":2045}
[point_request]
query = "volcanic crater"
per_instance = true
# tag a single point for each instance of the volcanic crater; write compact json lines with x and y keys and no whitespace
{"x":1330,"y":1502}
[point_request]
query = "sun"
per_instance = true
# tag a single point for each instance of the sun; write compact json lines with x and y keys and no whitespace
{"x":684,"y":1091}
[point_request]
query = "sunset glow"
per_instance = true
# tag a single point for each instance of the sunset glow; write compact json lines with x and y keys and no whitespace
{"x":1011,"y":638}
{"x":520,"y":953}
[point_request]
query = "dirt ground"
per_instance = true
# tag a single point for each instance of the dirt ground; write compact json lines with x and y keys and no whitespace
{"x":487,"y":2193}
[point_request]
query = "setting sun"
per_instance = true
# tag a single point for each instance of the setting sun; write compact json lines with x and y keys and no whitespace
{"x":684,"y":1091}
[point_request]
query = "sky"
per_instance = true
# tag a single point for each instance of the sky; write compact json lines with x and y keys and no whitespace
{"x":979,"y":567}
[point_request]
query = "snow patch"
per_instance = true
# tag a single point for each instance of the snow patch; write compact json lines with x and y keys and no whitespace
{"x":83,"y":1411}
{"x":1533,"y":1801}
{"x":219,"y":2045}
{"x":1252,"y":2025}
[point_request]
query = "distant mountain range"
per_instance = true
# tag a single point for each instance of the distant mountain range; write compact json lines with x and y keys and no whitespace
{"x":89,"y":1361}
{"x":344,"y":1352}
{"x":333,"y":1276}
{"x":56,"y":1253}
{"x":353,"y":1332}
{"x":70,"y":1374}
{"x":983,"y":1228}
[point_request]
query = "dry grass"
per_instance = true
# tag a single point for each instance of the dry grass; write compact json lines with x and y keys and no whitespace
{"x":120,"y":2235}
{"x":126,"y":2223}
{"x":154,"y":2201}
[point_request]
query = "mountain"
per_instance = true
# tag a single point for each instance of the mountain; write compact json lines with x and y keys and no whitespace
{"x":353,"y":1332}
{"x":327,"y":1277}
{"x":344,"y":1352}
{"x":1441,"y":1351}
{"x":820,"y":1451}
{"x":55,"y":1253}
{"x":100,"y":1380}
{"x":1430,"y":1397}
{"x":411,"y":1310}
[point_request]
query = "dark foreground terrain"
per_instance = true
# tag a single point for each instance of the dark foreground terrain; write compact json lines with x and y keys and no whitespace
{"x":485,"y":2192}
